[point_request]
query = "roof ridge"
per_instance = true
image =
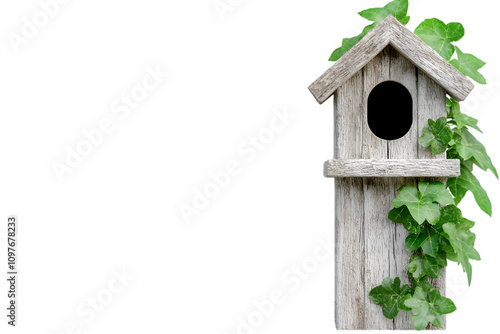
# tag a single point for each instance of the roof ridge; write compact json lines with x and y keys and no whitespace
{"x":391,"y":31}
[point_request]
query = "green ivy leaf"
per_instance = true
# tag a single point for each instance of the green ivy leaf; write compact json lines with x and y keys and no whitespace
{"x":414,"y":241}
{"x":439,"y":36}
{"x":469,"y":65}
{"x":420,"y":210}
{"x":436,"y":192}
{"x":449,"y":214}
{"x":430,"y":246}
{"x":469,"y":147}
{"x":423,"y":203}
{"x":347,"y":44}
{"x":462,"y":240}
{"x":442,"y":256}
{"x":391,"y":296}
{"x":403,"y":216}
{"x":396,"y":8}
{"x":459,"y":119}
{"x":442,"y":304}
{"x":428,"y":241}
{"x":423,"y":265}
{"x":448,"y":108}
{"x":437,"y":135}
{"x":428,"y":310}
{"x":465,"y":182}
{"x":426,"y":286}
{"x":447,"y":248}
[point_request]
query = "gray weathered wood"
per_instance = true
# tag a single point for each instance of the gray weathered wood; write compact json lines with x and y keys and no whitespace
{"x":431,"y":105}
{"x":392,"y":168}
{"x":378,"y":244}
{"x":376,"y":194}
{"x":348,"y":141}
{"x":390,"y":31}
{"x":350,"y":289}
{"x":438,"y":283}
{"x":430,"y":62}
{"x":404,"y":72}
{"x":369,"y":247}
{"x":376,"y":71}
{"x":399,"y":266}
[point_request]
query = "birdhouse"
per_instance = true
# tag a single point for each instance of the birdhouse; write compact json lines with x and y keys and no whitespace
{"x":385,"y":90}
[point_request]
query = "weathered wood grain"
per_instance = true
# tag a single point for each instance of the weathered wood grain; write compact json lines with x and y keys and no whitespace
{"x":399,"y":266}
{"x":348,"y":140}
{"x":376,"y":194}
{"x":352,"y":62}
{"x":431,"y":105}
{"x":390,"y":31}
{"x":404,"y":72}
{"x":392,"y":168}
{"x":430,"y":62}
{"x":368,"y":171}
{"x":379,"y":245}
{"x":350,"y":290}
{"x":377,"y":70}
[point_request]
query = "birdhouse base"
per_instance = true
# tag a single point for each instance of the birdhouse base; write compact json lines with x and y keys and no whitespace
{"x":369,"y":248}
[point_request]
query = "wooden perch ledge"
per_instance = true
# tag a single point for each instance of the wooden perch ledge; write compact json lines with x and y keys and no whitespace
{"x":392,"y":168}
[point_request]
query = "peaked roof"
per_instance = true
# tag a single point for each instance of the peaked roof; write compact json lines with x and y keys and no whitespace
{"x":391,"y":31}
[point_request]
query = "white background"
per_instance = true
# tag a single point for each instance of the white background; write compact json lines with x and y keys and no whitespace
{"x":120,"y":207}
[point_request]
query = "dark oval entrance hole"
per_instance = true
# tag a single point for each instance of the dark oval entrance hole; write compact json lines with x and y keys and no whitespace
{"x":390,"y":110}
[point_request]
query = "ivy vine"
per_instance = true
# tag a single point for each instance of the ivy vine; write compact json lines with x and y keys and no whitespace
{"x":438,"y":232}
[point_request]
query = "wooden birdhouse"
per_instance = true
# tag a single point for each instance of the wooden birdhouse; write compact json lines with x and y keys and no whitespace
{"x":385,"y":90}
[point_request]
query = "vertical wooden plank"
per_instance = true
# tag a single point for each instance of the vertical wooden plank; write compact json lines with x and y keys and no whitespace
{"x":349,"y":243}
{"x":379,"y":245}
{"x":375,"y":72}
{"x":432,"y":105}
{"x":347,"y":118}
{"x":438,"y":283}
{"x":401,"y":256}
{"x":336,"y":127}
{"x":404,"y":72}
{"x":349,"y":255}
{"x":379,"y":234}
